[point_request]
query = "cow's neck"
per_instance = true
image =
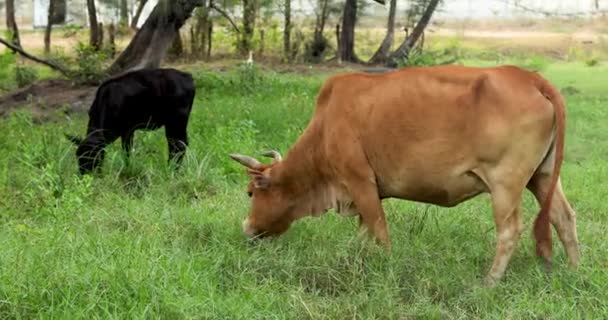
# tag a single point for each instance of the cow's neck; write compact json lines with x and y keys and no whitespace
{"x":305,"y":173}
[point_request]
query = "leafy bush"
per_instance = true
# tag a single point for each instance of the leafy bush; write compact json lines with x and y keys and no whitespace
{"x":533,"y":63}
{"x":448,"y":55}
{"x":25,"y":75}
{"x":7,"y":61}
{"x":248,"y":78}
{"x":315,"y":49}
{"x":90,"y":63}
{"x":592,"y":62}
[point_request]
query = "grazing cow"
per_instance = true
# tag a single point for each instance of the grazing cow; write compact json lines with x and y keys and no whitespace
{"x":438,"y":135}
{"x":143,"y":99}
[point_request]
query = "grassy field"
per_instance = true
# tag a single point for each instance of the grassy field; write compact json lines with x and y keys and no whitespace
{"x":146,"y":242}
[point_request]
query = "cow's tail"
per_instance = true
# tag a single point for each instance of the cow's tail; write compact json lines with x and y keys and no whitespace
{"x":542,"y":227}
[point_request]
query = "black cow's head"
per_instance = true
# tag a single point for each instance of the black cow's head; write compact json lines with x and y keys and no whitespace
{"x":90,"y":153}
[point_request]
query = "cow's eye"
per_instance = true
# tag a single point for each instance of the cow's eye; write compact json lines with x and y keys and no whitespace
{"x":249,"y":193}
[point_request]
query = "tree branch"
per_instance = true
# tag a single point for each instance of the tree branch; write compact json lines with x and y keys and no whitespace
{"x":49,"y":64}
{"x":225,"y":14}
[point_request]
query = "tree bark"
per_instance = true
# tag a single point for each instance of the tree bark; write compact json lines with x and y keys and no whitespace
{"x":150,"y":43}
{"x":347,"y":36}
{"x":287,"y":31}
{"x":384,"y":50}
{"x":177,"y":47}
{"x":140,"y":9}
{"x":94,"y":39}
{"x":249,"y":15}
{"x":112,"y":40}
{"x":124,"y":13}
{"x":404,"y":49}
{"x":11,"y":24}
{"x":49,"y":27}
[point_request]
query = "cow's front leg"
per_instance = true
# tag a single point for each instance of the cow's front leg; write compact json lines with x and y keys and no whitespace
{"x":177,"y":139}
{"x":371,"y":214}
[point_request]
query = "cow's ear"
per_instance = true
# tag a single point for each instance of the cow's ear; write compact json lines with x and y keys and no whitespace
{"x":75,"y":140}
{"x":261,"y":180}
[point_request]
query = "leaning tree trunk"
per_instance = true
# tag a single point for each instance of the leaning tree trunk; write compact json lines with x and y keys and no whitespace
{"x":49,"y":27}
{"x":347,"y":37}
{"x":384,"y":50}
{"x":140,"y":8}
{"x":404,"y":49}
{"x":94,"y":37}
{"x":11,"y":24}
{"x":249,"y":13}
{"x":287,"y":31}
{"x":150,"y":43}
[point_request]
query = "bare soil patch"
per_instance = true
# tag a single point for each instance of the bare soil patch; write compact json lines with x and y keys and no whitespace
{"x":49,"y":99}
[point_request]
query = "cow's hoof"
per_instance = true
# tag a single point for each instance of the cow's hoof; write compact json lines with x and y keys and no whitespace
{"x":490,"y":282}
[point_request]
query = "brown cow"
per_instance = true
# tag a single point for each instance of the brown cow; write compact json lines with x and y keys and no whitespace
{"x":438,"y":135}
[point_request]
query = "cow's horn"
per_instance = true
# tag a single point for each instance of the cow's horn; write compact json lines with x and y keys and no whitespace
{"x":247,"y":161}
{"x":273,"y":154}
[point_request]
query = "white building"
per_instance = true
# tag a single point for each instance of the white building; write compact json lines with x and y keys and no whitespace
{"x":34,"y":13}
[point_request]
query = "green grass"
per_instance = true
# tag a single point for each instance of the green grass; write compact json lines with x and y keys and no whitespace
{"x":147,"y":242}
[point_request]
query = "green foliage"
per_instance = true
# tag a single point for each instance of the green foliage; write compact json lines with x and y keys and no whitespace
{"x":91,"y":63}
{"x":532,"y":62}
{"x":592,"y":62}
{"x":7,"y":63}
{"x":144,"y":241}
{"x":316,"y":49}
{"x":448,"y":55}
{"x":25,"y":75}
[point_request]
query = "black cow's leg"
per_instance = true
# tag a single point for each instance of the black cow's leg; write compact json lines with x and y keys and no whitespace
{"x":177,"y":139}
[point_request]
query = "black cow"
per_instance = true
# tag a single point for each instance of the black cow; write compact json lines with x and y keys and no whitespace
{"x":142,"y":99}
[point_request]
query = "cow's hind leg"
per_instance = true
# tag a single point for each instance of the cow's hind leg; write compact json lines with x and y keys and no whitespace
{"x":505,"y":204}
{"x":562,"y":215}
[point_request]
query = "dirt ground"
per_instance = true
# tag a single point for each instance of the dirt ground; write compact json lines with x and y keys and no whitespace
{"x":48,"y":100}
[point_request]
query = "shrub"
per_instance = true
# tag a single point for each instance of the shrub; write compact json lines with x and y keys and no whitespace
{"x":592,"y":62}
{"x":448,"y":55}
{"x":90,"y":63}
{"x":25,"y":75}
{"x":7,"y":61}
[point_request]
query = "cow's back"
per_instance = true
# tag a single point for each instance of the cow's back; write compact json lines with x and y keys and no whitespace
{"x":420,"y":127}
{"x":143,"y":98}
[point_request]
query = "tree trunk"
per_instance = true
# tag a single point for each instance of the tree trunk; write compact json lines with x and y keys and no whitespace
{"x":49,"y":27}
{"x":249,"y":15}
{"x":209,"y":39}
{"x":404,"y":49}
{"x":94,"y":25}
{"x":11,"y":24}
{"x":177,"y":47}
{"x":150,"y":43}
{"x":112,"y":39}
{"x":338,"y":43}
{"x":140,"y":8}
{"x":124,"y":13}
{"x":384,"y":50}
{"x":287,"y":31}
{"x":347,"y":37}
{"x":201,"y":29}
